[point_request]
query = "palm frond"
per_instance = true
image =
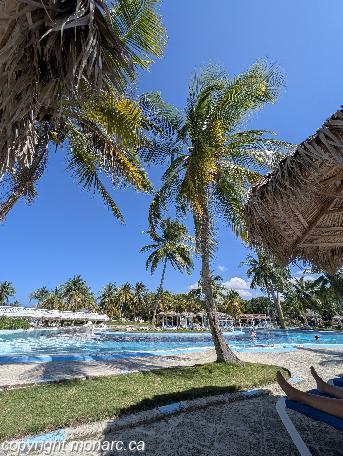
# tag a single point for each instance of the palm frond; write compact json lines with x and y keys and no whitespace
{"x":47,"y":48}
{"x":171,"y":181}
{"x":52,"y":51}
{"x":85,"y":165}
{"x":166,"y":125}
{"x":112,"y":126}
{"x":20,"y":181}
{"x":248,"y":92}
{"x":140,"y":28}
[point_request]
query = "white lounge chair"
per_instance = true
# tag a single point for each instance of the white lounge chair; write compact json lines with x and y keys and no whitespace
{"x":281,"y":407}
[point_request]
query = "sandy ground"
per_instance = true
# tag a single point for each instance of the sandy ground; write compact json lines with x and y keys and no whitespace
{"x":251,"y":427}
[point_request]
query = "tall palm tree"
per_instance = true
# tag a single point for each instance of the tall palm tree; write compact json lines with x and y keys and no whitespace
{"x":140,"y":307}
{"x":171,"y":245}
{"x":125,"y":298}
{"x":63,"y":82}
{"x":334,"y":281}
{"x":304,"y":295}
{"x":233,"y":304}
{"x":108,"y":300}
{"x":7,"y":291}
{"x":40,"y":295}
{"x":54,"y":300}
{"x":77,"y":295}
{"x":49,"y":299}
{"x":269,"y":277}
{"x":214,"y":161}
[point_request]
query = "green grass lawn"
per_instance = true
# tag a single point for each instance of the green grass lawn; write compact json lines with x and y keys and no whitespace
{"x":128,"y":323}
{"x":40,"y":408}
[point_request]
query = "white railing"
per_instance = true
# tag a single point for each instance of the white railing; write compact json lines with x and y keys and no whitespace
{"x":39,"y":314}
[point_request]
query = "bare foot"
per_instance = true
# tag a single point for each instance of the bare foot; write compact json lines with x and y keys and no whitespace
{"x":291,"y":392}
{"x":320,"y":382}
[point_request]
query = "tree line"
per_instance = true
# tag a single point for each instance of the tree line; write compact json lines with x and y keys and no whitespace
{"x":296,"y":297}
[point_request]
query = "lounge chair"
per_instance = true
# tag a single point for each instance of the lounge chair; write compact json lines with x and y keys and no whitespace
{"x":283,"y":403}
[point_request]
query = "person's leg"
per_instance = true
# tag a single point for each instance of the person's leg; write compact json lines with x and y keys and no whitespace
{"x":329,"y":405}
{"x":324,"y":387}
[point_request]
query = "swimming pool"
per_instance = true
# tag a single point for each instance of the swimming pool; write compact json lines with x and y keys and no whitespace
{"x":88,"y":344}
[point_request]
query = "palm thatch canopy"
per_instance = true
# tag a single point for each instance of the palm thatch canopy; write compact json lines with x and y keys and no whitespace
{"x":296,"y":212}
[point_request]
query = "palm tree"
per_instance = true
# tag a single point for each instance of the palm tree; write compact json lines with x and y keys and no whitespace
{"x":54,"y":301}
{"x":101,"y":137}
{"x":213,"y":161}
{"x":76,"y":295}
{"x":260,"y":304}
{"x":108,"y":300}
{"x":219,"y":291}
{"x":40,"y":295}
{"x":140,"y":307}
{"x":269,"y":277}
{"x":7,"y":290}
{"x":73,"y":93}
{"x":233,"y":304}
{"x":174,"y":245}
{"x":125,"y":300}
{"x":334,"y":281}
{"x":304,"y":295}
{"x":49,"y":299}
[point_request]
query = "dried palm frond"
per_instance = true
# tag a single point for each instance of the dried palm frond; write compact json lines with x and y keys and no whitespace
{"x":20,"y":181}
{"x":48,"y":49}
{"x":67,"y":62}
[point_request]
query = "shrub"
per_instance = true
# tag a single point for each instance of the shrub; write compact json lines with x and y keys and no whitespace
{"x":13,"y":323}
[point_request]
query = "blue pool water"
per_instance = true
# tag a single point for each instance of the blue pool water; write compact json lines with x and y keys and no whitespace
{"x":87,"y":344}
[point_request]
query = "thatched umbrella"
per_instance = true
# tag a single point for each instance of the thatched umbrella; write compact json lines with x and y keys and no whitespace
{"x":297,"y":210}
{"x":48,"y":49}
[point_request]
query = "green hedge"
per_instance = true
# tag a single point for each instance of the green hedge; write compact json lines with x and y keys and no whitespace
{"x":13,"y":323}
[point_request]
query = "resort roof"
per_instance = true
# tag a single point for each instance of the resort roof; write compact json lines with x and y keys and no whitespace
{"x":297,"y":210}
{"x":252,"y":316}
{"x":46,"y":314}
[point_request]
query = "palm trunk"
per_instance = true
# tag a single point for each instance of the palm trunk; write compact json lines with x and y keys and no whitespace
{"x":159,"y":293}
{"x":8,"y":204}
{"x":277,"y":302}
{"x":224,"y":353}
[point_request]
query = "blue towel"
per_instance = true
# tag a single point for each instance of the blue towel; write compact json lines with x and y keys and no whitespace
{"x":316,"y":414}
{"x":338,"y":381}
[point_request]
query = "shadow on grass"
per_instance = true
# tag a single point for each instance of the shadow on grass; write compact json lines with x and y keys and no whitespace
{"x":170,"y":398}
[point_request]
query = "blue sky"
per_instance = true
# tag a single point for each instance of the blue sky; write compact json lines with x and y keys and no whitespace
{"x":67,"y":231}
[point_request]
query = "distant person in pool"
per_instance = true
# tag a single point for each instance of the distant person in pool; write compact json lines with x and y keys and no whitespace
{"x":253,"y":333}
{"x":332,"y":405}
{"x":317,"y":337}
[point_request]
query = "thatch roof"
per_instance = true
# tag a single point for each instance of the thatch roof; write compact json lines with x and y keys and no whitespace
{"x":296,"y":212}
